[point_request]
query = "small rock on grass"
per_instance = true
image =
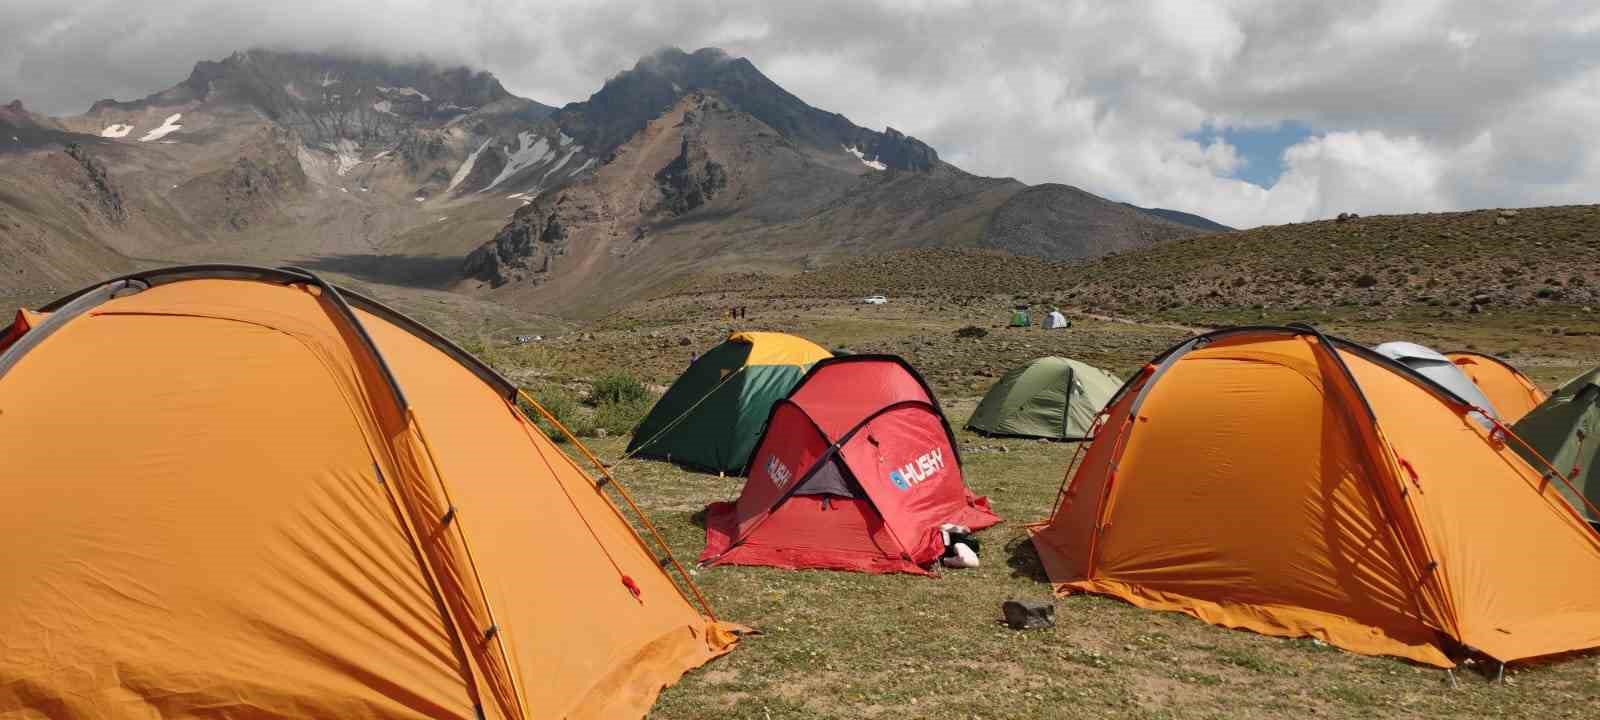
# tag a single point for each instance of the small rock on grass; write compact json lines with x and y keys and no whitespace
{"x":1028,"y":614}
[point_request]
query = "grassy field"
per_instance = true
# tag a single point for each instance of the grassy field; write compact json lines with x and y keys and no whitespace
{"x":847,"y":645}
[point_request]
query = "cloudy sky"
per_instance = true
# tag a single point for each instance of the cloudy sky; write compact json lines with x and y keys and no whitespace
{"x":1247,"y":111}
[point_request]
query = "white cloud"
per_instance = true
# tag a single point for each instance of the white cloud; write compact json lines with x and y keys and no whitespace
{"x":1418,"y":104}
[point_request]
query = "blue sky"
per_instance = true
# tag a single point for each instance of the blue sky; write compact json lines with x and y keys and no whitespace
{"x":1260,"y":149}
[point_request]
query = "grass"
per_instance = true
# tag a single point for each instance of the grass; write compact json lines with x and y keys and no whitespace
{"x":847,"y":645}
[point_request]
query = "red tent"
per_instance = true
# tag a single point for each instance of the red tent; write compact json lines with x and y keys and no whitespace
{"x":857,"y":470}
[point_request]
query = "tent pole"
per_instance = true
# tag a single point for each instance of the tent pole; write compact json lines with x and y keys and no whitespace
{"x":669,"y":425}
{"x":1502,"y":429}
{"x":626,"y":496}
{"x":1451,"y":673}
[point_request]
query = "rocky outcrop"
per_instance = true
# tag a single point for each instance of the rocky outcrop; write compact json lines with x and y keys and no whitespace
{"x":631,"y":99}
{"x":692,"y":178}
{"x":94,"y":180}
{"x":524,"y":248}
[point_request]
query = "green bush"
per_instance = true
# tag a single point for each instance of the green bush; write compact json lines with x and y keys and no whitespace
{"x":617,"y":388}
{"x":620,"y":418}
{"x":564,"y":406}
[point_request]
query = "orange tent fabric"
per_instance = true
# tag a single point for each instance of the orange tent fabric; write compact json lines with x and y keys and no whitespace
{"x":1274,"y":480}
{"x":1512,"y":393}
{"x":227,"y":492}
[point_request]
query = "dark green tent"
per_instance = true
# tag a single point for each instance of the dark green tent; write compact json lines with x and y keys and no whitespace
{"x":1019,"y":318}
{"x":1565,"y":430}
{"x":712,"y":415}
{"x":1051,"y":397}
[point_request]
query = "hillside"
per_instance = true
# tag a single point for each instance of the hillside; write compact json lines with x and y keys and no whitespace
{"x":1443,"y":264}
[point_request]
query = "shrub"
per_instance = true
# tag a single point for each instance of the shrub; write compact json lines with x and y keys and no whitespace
{"x":972,"y":331}
{"x":564,"y":406}
{"x":1366,"y":280}
{"x":620,"y":418}
{"x":616,"y":388}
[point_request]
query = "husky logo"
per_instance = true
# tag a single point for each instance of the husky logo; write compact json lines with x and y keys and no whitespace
{"x":778,"y":471}
{"x":915,"y":472}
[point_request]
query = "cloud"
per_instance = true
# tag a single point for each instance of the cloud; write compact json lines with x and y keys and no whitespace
{"x":1413,"y":105}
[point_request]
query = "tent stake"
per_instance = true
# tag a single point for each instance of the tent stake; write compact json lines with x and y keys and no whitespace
{"x":1451,"y":673}
{"x":1500,"y":675}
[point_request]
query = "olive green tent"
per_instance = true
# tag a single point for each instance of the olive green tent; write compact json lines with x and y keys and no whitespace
{"x":1019,"y":318}
{"x":712,"y":415}
{"x":1565,"y":430}
{"x":1051,"y":397}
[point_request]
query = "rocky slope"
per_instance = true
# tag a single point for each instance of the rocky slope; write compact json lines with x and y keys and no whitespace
{"x":759,"y":179}
{"x":416,"y":175}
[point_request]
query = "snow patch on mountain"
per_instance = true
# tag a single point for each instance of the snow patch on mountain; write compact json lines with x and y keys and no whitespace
{"x":409,"y":91}
{"x":466,"y":166}
{"x":167,"y":128}
{"x":116,"y":131}
{"x":531,"y":150}
{"x":383,"y":106}
{"x":585,"y":166}
{"x":561,"y":164}
{"x":873,"y":163}
{"x":346,"y":156}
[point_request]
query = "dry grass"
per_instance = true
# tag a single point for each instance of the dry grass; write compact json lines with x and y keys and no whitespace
{"x":846,"y":645}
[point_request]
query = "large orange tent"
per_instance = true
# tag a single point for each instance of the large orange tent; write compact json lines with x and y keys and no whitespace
{"x":1511,"y":392}
{"x":1276,"y":480}
{"x":238,"y":492}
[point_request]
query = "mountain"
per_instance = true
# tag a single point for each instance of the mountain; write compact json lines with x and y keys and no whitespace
{"x":1182,"y":218}
{"x":707,"y":163}
{"x":422,"y":177}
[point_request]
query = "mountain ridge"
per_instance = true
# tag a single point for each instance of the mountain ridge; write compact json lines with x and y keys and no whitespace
{"x":437,"y":177}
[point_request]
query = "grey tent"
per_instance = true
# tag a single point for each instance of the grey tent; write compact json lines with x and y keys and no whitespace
{"x":1055,"y":320}
{"x":1438,"y":368}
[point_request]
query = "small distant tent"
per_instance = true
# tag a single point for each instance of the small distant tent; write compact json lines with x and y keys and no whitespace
{"x":305,"y":504}
{"x":1438,"y":368}
{"x":1278,"y":480}
{"x":711,"y":416}
{"x":1055,"y":321}
{"x":1019,"y":318}
{"x":1565,"y":430}
{"x":1512,"y":393}
{"x":857,"y":470}
{"x":1051,"y":397}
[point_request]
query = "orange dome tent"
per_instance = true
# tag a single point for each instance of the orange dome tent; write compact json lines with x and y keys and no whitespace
{"x":1276,"y":480}
{"x":241,"y":492}
{"x":1511,"y":392}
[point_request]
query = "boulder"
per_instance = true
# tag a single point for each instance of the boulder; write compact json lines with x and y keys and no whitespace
{"x":1028,"y":614}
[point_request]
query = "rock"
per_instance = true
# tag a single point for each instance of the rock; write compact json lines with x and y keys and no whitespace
{"x":684,"y":341}
{"x":1508,"y":213}
{"x":601,"y":432}
{"x":1501,"y":221}
{"x":1480,"y":299}
{"x":1028,"y":614}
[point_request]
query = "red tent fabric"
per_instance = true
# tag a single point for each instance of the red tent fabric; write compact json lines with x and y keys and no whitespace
{"x":857,"y":470}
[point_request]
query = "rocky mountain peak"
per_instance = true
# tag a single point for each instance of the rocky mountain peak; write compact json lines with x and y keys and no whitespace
{"x":630,"y":99}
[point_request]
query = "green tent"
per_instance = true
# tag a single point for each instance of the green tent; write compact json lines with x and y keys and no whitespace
{"x":1051,"y":397}
{"x":712,"y":415}
{"x":1019,"y":318}
{"x":1565,"y":429}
